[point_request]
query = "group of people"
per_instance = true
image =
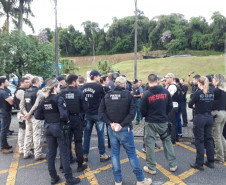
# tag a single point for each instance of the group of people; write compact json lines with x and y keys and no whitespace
{"x":69,"y":108}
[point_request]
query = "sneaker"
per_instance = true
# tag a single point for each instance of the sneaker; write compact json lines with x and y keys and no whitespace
{"x":146,"y":169}
{"x":146,"y":181}
{"x":104,"y":157}
{"x":72,"y":181}
{"x":85,"y":157}
{"x":209,"y":164}
{"x":55,"y":180}
{"x":118,"y":183}
{"x":6,"y":151}
{"x":28,"y":155}
{"x":144,"y":150}
{"x":195,"y":166}
{"x":81,"y":167}
{"x":40,"y":157}
{"x":218,"y":161}
{"x":173,"y":169}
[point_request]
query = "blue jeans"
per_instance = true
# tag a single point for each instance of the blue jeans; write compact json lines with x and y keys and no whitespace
{"x":91,"y":119}
{"x":127,"y":140}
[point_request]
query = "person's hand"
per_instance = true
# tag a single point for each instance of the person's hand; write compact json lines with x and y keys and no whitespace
{"x":116,"y":127}
{"x":26,"y":117}
{"x":191,"y":72}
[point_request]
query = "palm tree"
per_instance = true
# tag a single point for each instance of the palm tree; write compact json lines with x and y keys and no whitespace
{"x":24,"y":8}
{"x":9,"y":11}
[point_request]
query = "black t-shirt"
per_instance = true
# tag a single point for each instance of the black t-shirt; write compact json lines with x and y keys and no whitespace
{"x":94,"y":92}
{"x":4,"y":105}
{"x":219,"y":99}
{"x":203,"y":102}
{"x":184,"y":90}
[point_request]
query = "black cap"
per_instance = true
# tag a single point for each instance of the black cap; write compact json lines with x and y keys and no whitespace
{"x":94,"y":73}
{"x":210,"y":77}
{"x":59,"y":78}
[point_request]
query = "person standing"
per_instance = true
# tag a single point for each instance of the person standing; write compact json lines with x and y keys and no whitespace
{"x":202,"y":100}
{"x":77,"y":105}
{"x":94,"y":93}
{"x":184,"y":102}
{"x":219,"y":115}
{"x":19,"y":94}
{"x":53,"y":110}
{"x":111,"y":81}
{"x":137,"y":92}
{"x":28,"y":105}
{"x":6,"y":102}
{"x":62,"y":82}
{"x":118,"y":109}
{"x":174,"y":93}
{"x":156,"y":103}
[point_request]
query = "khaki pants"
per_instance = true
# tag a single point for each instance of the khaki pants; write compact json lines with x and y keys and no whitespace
{"x":21,"y":134}
{"x":219,"y":140}
{"x":33,"y":131}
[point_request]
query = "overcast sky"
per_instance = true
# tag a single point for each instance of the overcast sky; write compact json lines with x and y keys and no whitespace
{"x":102,"y":11}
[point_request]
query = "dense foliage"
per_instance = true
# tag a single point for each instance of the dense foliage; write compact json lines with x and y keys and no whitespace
{"x":21,"y":54}
{"x":165,"y":32}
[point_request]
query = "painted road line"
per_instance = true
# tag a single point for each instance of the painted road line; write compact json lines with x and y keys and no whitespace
{"x":188,"y":147}
{"x":11,"y":179}
{"x":173,"y":179}
{"x":90,"y":176}
{"x":4,"y":171}
{"x":96,"y":171}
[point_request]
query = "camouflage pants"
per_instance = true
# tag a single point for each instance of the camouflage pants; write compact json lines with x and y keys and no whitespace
{"x":21,"y":134}
{"x":33,"y":131}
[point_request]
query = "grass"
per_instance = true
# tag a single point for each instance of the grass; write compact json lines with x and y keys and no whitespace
{"x":179,"y":66}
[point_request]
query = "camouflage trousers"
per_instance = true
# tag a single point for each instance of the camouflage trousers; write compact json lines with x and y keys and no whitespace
{"x":21,"y":134}
{"x":33,"y":131}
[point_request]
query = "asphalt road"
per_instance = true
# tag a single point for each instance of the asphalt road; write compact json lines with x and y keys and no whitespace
{"x":14,"y":170}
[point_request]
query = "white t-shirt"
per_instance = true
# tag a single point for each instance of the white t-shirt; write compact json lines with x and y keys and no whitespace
{"x":172,"y":89}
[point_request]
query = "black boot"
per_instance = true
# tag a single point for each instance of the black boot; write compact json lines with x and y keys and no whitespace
{"x":55,"y":180}
{"x":81,"y":167}
{"x":72,"y":181}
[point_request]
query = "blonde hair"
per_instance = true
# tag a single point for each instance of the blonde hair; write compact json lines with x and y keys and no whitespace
{"x":221,"y":83}
{"x":205,"y":82}
{"x":50,"y":84}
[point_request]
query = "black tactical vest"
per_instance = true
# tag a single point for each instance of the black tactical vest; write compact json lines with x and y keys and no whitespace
{"x":136,"y":91}
{"x":50,"y":107}
{"x":177,"y":97}
{"x":30,"y":97}
{"x":72,"y":99}
{"x":16,"y":100}
{"x":117,"y":105}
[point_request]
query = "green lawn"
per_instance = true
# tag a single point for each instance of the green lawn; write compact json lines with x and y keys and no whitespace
{"x":179,"y":66}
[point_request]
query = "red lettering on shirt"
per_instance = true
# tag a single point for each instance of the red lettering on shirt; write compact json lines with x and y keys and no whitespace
{"x":153,"y":98}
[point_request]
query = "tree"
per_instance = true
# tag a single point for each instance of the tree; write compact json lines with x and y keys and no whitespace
{"x":21,"y":54}
{"x":104,"y":67}
{"x":24,"y":8}
{"x":68,"y":66}
{"x":9,"y":11}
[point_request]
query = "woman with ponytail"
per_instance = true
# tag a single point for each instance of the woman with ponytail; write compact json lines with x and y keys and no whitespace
{"x":53,"y":110}
{"x":219,"y":115}
{"x":202,"y":101}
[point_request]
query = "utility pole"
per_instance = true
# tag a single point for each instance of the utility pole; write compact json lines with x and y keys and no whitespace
{"x":135,"y":42}
{"x":56,"y":40}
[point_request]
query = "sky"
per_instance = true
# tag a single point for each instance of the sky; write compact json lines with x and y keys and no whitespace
{"x":76,"y":12}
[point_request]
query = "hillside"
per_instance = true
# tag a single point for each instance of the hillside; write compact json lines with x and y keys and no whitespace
{"x":179,"y":66}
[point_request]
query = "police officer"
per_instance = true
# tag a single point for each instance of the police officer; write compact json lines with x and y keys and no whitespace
{"x":19,"y":94}
{"x":118,"y":109}
{"x":28,"y":105}
{"x":6,"y":102}
{"x":77,"y":105}
{"x":53,"y":110}
{"x":202,"y":100}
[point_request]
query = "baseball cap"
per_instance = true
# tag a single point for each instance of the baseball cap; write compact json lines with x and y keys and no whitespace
{"x":59,"y":78}
{"x":94,"y":73}
{"x":120,"y":80}
{"x":170,"y":75}
{"x":135,"y":81}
